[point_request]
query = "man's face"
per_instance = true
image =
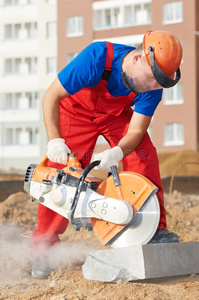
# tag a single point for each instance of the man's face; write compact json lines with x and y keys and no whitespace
{"x":140,"y":78}
{"x":144,"y":80}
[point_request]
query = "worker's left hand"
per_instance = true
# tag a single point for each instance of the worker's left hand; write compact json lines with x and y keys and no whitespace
{"x":109,"y":158}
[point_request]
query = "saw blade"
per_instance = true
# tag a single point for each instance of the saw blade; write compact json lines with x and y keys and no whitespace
{"x":142,"y":227}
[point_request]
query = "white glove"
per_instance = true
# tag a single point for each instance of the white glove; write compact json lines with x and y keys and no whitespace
{"x":57,"y":151}
{"x":109,"y":158}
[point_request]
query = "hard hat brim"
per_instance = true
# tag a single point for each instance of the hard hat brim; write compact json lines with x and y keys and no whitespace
{"x":163,"y":80}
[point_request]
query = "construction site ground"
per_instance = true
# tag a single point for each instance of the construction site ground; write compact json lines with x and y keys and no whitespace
{"x":18,"y":216}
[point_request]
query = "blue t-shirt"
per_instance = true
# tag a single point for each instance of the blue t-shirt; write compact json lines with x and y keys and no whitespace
{"x":87,"y":68}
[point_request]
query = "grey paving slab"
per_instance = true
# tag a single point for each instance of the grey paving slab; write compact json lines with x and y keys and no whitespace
{"x":142,"y":262}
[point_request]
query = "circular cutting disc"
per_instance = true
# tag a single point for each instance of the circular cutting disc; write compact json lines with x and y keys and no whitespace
{"x":142,"y":227}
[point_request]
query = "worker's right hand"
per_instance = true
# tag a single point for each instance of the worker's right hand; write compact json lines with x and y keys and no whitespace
{"x":57,"y":151}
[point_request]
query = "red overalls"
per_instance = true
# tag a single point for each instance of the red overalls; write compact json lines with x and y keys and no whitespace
{"x":83,"y":117}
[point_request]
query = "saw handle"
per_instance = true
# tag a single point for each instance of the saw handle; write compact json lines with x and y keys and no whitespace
{"x":115,"y":176}
{"x":79,"y":189}
{"x":117,"y":182}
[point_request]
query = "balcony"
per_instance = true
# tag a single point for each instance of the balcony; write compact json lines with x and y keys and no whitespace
{"x":117,"y":14}
{"x":19,"y":151}
{"x":19,"y":115}
{"x":20,"y":82}
{"x":20,"y":11}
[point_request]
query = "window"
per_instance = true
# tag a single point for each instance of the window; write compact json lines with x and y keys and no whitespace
{"x":32,"y":99}
{"x":115,"y":17}
{"x":12,"y":66}
{"x":142,"y":13}
{"x":25,"y":65}
{"x":22,"y":100}
{"x":51,"y":30}
{"x":11,"y":100}
{"x":8,"y":136}
{"x":119,"y":15}
{"x":174,"y":95}
{"x":97,"y":19}
{"x":51,"y":1}
{"x":30,"y":30}
{"x":172,"y":12}
{"x":9,"y":103}
{"x":70,"y":57}
{"x":12,"y":31}
{"x":74,"y":26}
{"x":51,"y":65}
{"x":30,"y":65}
{"x":107,"y":14}
{"x":21,"y":31}
{"x":32,"y":135}
{"x":128,"y":14}
{"x":32,"y":1}
{"x":174,"y":134}
{"x":21,"y":136}
{"x":12,"y":136}
{"x":11,"y":2}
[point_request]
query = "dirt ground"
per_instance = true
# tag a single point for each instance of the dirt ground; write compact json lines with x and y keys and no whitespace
{"x":18,"y":216}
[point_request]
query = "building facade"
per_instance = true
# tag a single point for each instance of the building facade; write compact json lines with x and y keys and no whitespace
{"x":28,"y":64}
{"x":39,"y":37}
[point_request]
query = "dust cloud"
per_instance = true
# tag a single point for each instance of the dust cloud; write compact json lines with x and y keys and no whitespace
{"x":16,"y":256}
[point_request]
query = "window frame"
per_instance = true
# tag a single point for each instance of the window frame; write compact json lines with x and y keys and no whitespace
{"x":99,"y":9}
{"x":174,"y":141}
{"x":53,"y":30}
{"x":174,"y":100}
{"x":77,"y":21}
{"x":174,"y":9}
{"x":13,"y":139}
{"x":48,"y":71}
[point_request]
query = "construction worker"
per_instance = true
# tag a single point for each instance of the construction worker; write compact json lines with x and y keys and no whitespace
{"x":94,"y":95}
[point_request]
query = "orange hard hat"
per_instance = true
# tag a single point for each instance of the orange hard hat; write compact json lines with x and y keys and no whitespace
{"x":163,"y":53}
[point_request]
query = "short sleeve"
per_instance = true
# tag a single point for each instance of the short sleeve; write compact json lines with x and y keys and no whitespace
{"x":146,"y":103}
{"x":85,"y":70}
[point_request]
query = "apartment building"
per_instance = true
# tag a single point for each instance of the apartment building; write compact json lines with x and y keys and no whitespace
{"x":33,"y":33}
{"x":28,"y":64}
{"x":175,"y":125}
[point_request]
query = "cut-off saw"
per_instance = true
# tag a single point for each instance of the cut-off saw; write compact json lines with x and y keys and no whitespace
{"x":123,"y":210}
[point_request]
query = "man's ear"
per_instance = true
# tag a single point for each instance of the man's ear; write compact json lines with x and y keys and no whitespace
{"x":137,"y":58}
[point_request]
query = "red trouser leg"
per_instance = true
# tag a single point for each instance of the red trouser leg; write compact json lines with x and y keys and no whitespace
{"x":143,"y":160}
{"x":45,"y":234}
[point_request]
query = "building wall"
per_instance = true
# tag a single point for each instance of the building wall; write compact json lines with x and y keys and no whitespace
{"x":185,"y":113}
{"x":68,"y":45}
{"x":23,"y":149}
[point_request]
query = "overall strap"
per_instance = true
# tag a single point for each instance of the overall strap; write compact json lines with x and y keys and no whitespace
{"x":109,"y":58}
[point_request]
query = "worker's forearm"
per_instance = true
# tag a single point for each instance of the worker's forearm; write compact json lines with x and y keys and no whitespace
{"x":51,"y":117}
{"x":51,"y":113}
{"x":136,"y":131}
{"x":130,"y":142}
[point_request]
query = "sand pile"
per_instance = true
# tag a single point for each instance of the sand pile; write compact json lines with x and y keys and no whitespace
{"x":184,"y":163}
